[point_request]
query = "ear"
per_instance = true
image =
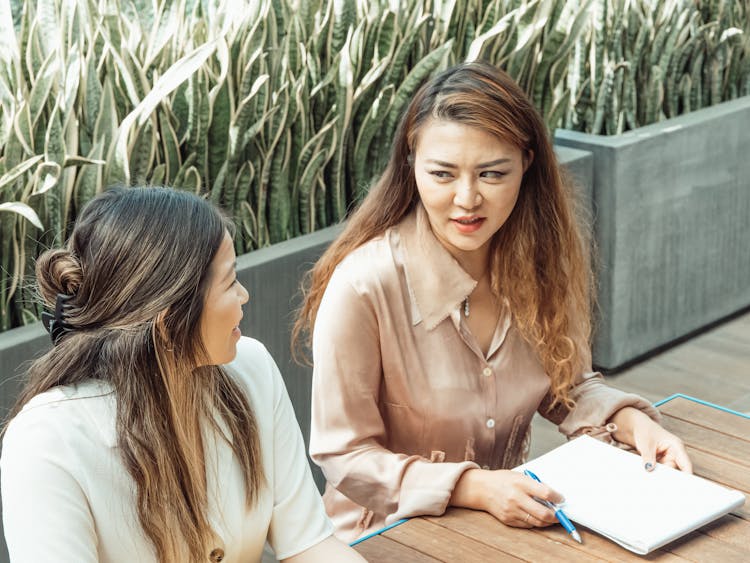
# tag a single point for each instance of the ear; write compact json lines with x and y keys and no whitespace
{"x":160,"y":326}
{"x":528,"y":158}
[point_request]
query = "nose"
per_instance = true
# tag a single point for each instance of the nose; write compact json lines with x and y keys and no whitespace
{"x":244,"y":295}
{"x":467,"y":194}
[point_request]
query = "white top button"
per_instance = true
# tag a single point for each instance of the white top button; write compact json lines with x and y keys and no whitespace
{"x":490,"y":423}
{"x":485,"y":467}
{"x":487,"y":372}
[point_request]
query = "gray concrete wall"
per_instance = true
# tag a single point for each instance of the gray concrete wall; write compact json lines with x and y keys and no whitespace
{"x":17,"y":348}
{"x":672,"y":226}
{"x":272,"y":276}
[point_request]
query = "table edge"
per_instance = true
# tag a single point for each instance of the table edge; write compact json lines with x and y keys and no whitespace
{"x":701,"y":402}
{"x":378,"y":532}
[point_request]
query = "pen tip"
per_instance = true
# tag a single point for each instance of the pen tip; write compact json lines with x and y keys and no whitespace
{"x":576,"y":536}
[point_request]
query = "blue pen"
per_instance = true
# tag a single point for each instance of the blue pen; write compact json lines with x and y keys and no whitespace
{"x":559,"y":514}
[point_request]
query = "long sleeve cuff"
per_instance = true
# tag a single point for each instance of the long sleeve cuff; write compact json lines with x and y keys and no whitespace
{"x":596,"y":403}
{"x":427,"y":488}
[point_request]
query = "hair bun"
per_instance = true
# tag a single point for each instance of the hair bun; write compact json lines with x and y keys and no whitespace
{"x":58,"y":271}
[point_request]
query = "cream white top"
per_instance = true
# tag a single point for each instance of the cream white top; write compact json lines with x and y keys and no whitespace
{"x":68,"y":497}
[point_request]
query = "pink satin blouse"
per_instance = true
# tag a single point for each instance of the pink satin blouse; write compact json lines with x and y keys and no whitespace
{"x":404,"y":401}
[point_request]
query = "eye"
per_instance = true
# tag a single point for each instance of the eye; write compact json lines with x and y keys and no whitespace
{"x":442,"y":174}
{"x":493,"y":174}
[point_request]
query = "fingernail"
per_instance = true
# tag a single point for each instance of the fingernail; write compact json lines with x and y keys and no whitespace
{"x":649,"y":466}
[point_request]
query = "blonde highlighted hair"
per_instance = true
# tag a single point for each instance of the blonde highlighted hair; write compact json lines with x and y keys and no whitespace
{"x":137,"y":268}
{"x":539,"y":258}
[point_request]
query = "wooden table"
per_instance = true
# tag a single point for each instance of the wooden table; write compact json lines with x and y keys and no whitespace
{"x":718,"y":442}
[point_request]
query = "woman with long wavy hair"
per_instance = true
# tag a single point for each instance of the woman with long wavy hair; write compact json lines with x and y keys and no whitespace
{"x":152,"y":430}
{"x":453,"y":306}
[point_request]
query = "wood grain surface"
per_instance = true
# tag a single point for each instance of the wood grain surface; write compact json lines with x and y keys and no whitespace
{"x":719,"y":445}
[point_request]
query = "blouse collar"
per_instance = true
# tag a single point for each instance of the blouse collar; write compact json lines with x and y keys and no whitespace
{"x":437,"y":283}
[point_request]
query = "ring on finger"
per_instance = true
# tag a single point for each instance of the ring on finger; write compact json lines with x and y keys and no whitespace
{"x":526,"y":520}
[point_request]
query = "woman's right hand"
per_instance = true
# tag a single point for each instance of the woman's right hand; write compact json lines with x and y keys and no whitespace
{"x":507,"y":495}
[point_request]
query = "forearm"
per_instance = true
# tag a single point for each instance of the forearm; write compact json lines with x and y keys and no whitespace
{"x":393,"y":484}
{"x":469,"y":491}
{"x":329,"y":550}
{"x":597,"y":404}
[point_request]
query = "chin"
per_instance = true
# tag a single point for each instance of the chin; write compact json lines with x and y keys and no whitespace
{"x":468,"y":246}
{"x":230,"y":356}
{"x":225,"y":357}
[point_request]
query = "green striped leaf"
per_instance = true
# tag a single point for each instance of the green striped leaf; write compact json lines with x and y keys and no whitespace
{"x":411,"y":84}
{"x":89,"y":180}
{"x":23,"y":210}
{"x":18,"y":170}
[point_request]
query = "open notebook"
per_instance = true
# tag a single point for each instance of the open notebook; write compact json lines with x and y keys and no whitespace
{"x":607,"y":490}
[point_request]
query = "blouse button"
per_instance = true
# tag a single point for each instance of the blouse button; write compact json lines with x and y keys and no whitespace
{"x":490,"y":423}
{"x":487,"y":372}
{"x":216,"y":555}
{"x":485,"y":467}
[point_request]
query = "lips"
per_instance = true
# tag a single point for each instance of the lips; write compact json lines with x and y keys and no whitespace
{"x":468,"y":224}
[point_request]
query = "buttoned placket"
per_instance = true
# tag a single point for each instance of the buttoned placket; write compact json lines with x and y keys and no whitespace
{"x":485,"y":374}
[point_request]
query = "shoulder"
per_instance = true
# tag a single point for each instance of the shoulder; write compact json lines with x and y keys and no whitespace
{"x":372,"y":267}
{"x":69,"y":420}
{"x":79,"y":405}
{"x":255,"y":371}
{"x":374,"y":255}
{"x":252,"y":355}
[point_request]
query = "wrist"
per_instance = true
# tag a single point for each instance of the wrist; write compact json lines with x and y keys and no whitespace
{"x":468,"y":490}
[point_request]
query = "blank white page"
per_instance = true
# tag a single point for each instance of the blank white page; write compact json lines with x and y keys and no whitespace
{"x":607,"y":490}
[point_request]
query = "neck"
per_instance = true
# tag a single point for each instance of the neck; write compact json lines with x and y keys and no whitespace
{"x":476,"y":266}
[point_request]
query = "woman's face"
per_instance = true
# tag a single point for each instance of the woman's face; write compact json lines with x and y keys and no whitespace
{"x":468,"y":181}
{"x":222,"y":310}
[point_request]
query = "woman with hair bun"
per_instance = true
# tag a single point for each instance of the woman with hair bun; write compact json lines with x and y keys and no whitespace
{"x":152,"y":430}
{"x":453,"y":306}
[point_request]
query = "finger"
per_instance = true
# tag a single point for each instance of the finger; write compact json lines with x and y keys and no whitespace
{"x":648,"y":456}
{"x":539,"y":514}
{"x":528,"y":520}
{"x":670,"y":463}
{"x":553,"y":496}
{"x":683,"y":460}
{"x":677,"y":457}
{"x":542,"y":491}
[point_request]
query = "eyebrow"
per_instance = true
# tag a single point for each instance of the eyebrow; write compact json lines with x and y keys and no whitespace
{"x":483,"y":165}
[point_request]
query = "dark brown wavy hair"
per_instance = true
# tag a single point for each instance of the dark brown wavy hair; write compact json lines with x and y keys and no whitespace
{"x":137,"y":268}
{"x":539,"y":252}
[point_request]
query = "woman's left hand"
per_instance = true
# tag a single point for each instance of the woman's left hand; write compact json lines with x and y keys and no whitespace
{"x":652,"y":441}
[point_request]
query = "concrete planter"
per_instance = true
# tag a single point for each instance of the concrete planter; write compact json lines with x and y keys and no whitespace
{"x":272,"y":276}
{"x":672,"y":225}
